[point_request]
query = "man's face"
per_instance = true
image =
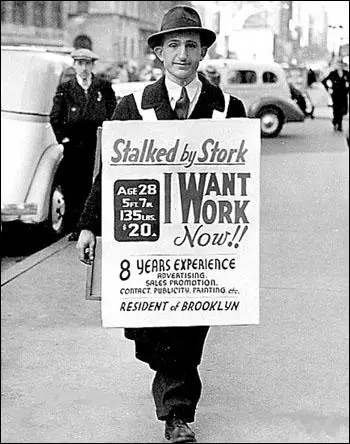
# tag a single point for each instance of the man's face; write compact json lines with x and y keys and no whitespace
{"x":181,"y":53}
{"x":83,"y":68}
{"x":339,"y":65}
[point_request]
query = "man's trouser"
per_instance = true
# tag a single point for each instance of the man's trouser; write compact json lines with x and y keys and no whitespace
{"x":174,"y":354}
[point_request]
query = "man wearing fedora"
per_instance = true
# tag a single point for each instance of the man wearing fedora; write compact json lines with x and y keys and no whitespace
{"x":174,"y":353}
{"x":80,"y":105}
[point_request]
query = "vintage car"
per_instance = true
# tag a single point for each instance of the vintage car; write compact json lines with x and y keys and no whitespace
{"x":30,"y":155}
{"x":262,"y":87}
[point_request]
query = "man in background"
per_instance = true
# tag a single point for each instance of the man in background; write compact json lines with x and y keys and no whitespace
{"x":337,"y":85}
{"x":79,"y":107}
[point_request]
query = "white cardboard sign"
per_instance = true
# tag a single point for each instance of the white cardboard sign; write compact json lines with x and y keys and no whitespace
{"x":180,"y":222}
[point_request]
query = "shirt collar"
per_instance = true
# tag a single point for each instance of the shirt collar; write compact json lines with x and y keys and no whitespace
{"x":80,"y":81}
{"x":174,"y":90}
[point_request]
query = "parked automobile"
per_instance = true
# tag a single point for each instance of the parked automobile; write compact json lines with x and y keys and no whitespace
{"x":30,"y":155}
{"x":262,"y":87}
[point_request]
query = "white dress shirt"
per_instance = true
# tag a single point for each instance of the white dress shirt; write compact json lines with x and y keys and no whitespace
{"x":193,"y":91}
{"x":85,"y":84}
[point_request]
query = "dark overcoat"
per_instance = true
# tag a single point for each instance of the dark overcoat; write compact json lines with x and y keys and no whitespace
{"x":340,"y":89}
{"x":162,"y":346}
{"x":76,"y":116}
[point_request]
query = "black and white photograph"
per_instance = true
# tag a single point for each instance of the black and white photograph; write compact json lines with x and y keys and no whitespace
{"x":175,"y":221}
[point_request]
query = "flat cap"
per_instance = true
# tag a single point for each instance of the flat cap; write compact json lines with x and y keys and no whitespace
{"x":84,"y":54}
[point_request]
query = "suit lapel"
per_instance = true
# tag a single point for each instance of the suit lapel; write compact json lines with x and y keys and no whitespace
{"x":92,"y":92}
{"x":93,"y":95}
{"x":210,"y":99}
{"x":155,"y":96}
{"x":77,"y":90}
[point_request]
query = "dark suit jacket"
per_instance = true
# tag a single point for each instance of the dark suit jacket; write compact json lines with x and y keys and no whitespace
{"x":76,"y":117}
{"x":174,"y":346}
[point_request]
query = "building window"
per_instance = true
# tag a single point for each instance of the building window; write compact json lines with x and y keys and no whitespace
{"x":125,"y":47}
{"x":39,"y":14}
{"x":82,"y":7}
{"x":57,"y":15}
{"x":132,"y":49}
{"x":19,"y":13}
{"x":3,"y":12}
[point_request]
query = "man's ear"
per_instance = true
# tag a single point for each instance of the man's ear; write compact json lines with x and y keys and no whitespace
{"x":158,"y":50}
{"x":204,"y":51}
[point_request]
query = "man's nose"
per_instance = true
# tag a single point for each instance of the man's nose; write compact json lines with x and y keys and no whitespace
{"x":183,"y":51}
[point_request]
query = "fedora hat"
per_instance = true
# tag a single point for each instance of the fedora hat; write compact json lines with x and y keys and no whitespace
{"x":182,"y":18}
{"x":84,"y":54}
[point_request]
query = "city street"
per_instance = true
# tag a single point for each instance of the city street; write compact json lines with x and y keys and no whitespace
{"x":66,"y":379}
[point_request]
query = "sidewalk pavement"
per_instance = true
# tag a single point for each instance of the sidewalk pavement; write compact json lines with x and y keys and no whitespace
{"x":66,"y":379}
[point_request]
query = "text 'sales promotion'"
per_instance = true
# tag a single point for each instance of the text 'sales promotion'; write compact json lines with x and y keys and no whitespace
{"x":180,"y":222}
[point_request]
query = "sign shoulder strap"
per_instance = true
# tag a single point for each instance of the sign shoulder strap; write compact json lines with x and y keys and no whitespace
{"x":146,"y":114}
{"x":219,"y":115}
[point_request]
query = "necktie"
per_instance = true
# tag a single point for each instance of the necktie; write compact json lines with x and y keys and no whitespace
{"x":182,"y":105}
{"x":85,"y":86}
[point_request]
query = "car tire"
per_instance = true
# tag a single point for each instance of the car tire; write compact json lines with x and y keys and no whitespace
{"x":56,"y":218}
{"x":271,"y":120}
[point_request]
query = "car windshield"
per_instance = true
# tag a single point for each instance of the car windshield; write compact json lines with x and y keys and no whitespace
{"x":28,"y":81}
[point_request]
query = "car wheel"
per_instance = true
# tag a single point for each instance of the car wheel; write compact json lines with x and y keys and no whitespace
{"x":56,"y":220}
{"x":271,"y":122}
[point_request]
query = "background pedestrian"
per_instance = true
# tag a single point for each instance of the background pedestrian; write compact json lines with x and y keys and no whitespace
{"x":337,"y":85}
{"x":79,"y":108}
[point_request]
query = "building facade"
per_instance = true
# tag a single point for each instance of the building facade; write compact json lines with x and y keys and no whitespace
{"x":285,"y":31}
{"x":34,"y":22}
{"x":118,"y":29}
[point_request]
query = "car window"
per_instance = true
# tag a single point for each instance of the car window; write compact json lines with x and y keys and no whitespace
{"x":269,"y":77}
{"x":240,"y":76}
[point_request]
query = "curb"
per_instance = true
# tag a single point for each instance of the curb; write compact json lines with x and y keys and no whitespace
{"x":33,"y":260}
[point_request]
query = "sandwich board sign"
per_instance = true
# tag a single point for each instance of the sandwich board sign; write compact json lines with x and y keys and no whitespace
{"x":180,"y":223}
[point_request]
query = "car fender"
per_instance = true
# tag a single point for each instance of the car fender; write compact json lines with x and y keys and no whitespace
{"x":41,"y":184}
{"x":290,"y":111}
